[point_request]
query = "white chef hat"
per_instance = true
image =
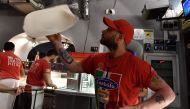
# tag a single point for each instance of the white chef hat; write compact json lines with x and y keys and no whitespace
{"x":49,"y":21}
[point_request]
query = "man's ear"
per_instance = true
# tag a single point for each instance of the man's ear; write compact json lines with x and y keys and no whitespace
{"x":122,"y":36}
{"x":119,"y":37}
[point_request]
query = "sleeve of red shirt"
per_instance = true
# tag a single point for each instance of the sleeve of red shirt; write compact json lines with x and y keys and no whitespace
{"x":0,"y":58}
{"x":88,"y":64}
{"x":145,"y":73}
{"x":46,"y":67}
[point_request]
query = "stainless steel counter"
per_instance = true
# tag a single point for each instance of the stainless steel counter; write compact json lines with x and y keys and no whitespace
{"x":73,"y":99}
{"x":86,"y":92}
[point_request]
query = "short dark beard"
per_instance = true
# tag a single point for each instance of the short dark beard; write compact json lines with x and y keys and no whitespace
{"x":109,"y":43}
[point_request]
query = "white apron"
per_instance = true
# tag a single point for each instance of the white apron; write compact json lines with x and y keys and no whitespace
{"x":37,"y":97}
{"x":6,"y":99}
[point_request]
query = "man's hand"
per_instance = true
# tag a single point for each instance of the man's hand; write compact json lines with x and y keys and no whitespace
{"x":53,"y":86}
{"x":17,"y":91}
{"x":103,"y":96}
{"x":54,"y":37}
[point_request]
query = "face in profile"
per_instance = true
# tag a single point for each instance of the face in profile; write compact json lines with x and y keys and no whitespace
{"x":108,"y":38}
{"x":53,"y":58}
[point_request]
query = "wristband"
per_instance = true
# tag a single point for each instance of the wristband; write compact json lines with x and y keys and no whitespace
{"x":65,"y":56}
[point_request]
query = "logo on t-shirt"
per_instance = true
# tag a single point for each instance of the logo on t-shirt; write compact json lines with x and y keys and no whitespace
{"x":13,"y":61}
{"x":107,"y":86}
{"x":107,"y":83}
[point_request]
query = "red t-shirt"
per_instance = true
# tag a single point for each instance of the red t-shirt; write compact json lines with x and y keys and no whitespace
{"x":36,"y":72}
{"x":118,"y":79}
{"x":10,"y":65}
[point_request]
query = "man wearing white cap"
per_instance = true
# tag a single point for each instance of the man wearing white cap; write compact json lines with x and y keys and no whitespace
{"x":119,"y":75}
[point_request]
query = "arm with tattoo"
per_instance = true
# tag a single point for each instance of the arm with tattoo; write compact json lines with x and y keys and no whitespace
{"x":56,"y":41}
{"x":163,"y":96}
{"x":159,"y":98}
{"x":65,"y":56}
{"x":69,"y":62}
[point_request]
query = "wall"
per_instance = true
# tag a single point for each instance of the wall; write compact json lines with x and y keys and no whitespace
{"x":11,"y":22}
{"x":85,"y":33}
{"x":87,"y":30}
{"x":126,"y":9}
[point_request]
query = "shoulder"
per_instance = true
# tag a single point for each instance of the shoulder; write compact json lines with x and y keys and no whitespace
{"x":138,"y":62}
{"x":94,"y":58}
{"x":42,"y":61}
{"x":1,"y":53}
{"x":97,"y":55}
{"x":100,"y":55}
{"x":12,"y":54}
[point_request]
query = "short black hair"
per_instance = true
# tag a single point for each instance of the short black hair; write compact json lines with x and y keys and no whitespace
{"x":52,"y":52}
{"x":9,"y":46}
{"x":42,"y":54}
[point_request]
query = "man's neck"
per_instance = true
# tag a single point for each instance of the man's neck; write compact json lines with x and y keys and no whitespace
{"x":47,"y":58}
{"x":117,"y":53}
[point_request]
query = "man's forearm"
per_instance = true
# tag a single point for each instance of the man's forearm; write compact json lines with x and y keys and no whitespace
{"x":4,"y":89}
{"x":159,"y":100}
{"x":68,"y":61}
{"x":65,"y":55}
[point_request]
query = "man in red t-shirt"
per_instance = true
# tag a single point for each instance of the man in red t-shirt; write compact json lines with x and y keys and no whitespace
{"x":119,"y":75}
{"x":39,"y":76}
{"x":10,"y":71}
